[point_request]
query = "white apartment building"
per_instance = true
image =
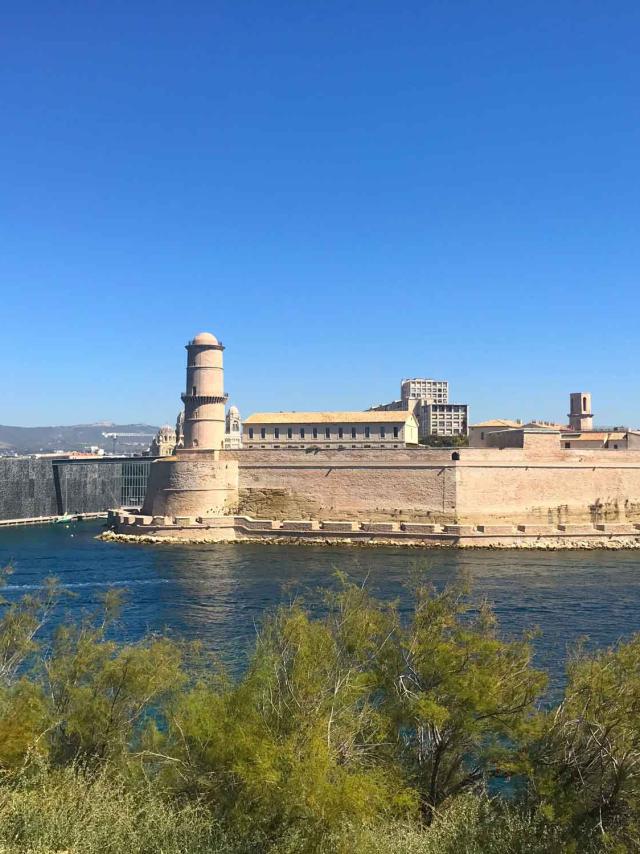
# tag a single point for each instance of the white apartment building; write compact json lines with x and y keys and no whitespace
{"x":431,"y":391}
{"x":428,"y":400}
{"x":273,"y":430}
{"x":443,"y":419}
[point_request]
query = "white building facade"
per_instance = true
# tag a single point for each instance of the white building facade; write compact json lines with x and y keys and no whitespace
{"x":273,"y":430}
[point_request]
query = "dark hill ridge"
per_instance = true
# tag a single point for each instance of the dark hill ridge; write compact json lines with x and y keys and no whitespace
{"x":74,"y":437}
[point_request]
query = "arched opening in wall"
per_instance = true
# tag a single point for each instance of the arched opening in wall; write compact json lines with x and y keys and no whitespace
{"x":455,"y":455}
{"x":584,"y":404}
{"x":195,"y":443}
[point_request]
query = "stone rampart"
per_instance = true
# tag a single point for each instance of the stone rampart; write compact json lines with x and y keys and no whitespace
{"x":192,"y":483}
{"x":366,"y":484}
{"x":540,"y":483}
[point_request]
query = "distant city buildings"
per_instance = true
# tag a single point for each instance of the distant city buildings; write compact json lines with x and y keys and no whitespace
{"x":428,"y":400}
{"x":577,"y":435}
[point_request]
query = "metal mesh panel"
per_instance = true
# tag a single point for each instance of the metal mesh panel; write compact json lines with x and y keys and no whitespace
{"x":133,"y":482}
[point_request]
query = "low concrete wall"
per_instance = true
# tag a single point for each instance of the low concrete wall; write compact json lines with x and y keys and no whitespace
{"x":243,"y":528}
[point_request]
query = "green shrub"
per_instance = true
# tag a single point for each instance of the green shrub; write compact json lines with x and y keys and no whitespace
{"x":360,"y":731}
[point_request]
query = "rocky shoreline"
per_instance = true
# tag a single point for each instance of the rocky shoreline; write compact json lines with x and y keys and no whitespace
{"x":525,"y":543}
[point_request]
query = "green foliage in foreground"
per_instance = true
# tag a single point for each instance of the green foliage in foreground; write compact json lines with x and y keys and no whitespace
{"x":361,"y":730}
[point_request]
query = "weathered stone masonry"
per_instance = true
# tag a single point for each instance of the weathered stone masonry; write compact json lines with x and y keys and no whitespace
{"x":541,"y":484}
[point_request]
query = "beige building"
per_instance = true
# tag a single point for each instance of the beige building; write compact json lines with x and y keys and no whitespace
{"x":478,"y":432}
{"x":602,"y":440}
{"x":387,"y":429}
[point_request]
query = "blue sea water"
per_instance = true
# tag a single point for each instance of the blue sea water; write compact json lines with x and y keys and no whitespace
{"x":220,"y":593}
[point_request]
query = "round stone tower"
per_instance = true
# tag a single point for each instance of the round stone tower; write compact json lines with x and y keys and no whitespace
{"x":204,"y":399}
{"x":197,"y":481}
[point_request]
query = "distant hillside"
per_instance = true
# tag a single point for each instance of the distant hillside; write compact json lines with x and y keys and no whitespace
{"x":75,"y":437}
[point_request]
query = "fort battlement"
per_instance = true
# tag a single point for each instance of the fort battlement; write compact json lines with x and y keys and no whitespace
{"x":183,"y":529}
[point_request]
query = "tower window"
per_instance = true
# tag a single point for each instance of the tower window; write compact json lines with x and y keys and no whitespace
{"x":584,"y":404}
{"x":193,"y":389}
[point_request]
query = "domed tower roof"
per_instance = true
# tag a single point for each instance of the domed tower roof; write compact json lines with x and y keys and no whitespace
{"x":204,"y":338}
{"x":233,"y":410}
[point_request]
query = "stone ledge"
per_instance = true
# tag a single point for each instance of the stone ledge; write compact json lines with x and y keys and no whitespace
{"x":537,"y":530}
{"x":498,"y":530}
{"x":256,"y":524}
{"x":420,"y":528}
{"x":339,"y":527}
{"x":419,"y":534}
{"x":460,"y":530}
{"x":577,"y":529}
{"x":617,"y":528}
{"x":300,"y":525}
{"x":379,"y":527}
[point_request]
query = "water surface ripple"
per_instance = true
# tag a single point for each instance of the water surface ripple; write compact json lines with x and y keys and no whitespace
{"x":219,"y":593}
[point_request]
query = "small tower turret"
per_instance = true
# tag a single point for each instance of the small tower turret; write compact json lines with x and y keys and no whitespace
{"x":580,"y":415}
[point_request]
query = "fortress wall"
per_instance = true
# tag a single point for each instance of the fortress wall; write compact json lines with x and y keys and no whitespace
{"x":539,"y":483}
{"x":354,"y":484}
{"x":191,"y":484}
{"x":551,"y":487}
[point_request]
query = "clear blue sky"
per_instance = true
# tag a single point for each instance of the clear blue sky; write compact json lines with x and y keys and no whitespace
{"x":346,"y":193}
